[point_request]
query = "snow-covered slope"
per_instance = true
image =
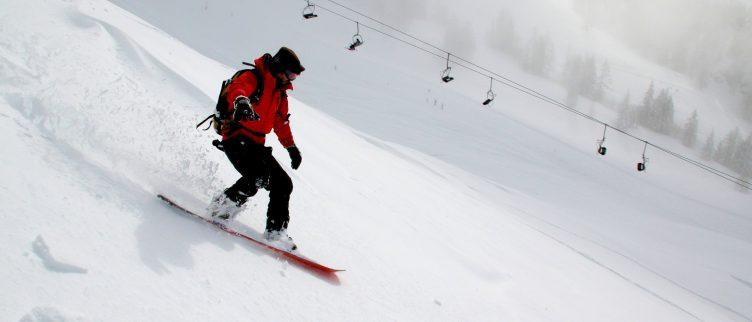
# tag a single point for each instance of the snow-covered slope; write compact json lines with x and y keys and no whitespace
{"x":673,"y":220}
{"x":97,"y":110}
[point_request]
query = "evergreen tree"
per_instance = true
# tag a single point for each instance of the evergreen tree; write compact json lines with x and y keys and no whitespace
{"x":644,"y":113}
{"x":747,"y":105}
{"x":626,"y":117}
{"x":647,"y":101}
{"x":708,"y":150}
{"x":726,"y":148}
{"x":664,"y":106}
{"x":743,"y":156}
{"x":581,"y":77}
{"x":604,"y":81}
{"x":689,"y":132}
{"x":657,"y":113}
{"x":571,"y":78}
{"x":540,"y":55}
{"x":588,"y":77}
{"x":504,"y":36}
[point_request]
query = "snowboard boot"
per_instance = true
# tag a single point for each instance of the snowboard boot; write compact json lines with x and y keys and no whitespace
{"x":224,"y":208}
{"x":280,"y":239}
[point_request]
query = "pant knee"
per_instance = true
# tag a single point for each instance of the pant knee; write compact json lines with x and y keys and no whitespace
{"x":282,"y":185}
{"x":241,"y":190}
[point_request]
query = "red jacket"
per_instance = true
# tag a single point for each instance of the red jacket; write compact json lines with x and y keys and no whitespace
{"x":272,"y":106}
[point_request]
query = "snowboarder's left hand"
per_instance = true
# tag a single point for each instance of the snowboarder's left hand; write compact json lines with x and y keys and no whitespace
{"x":295,"y":156}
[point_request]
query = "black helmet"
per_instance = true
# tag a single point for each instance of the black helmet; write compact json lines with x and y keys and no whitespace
{"x":286,"y":60}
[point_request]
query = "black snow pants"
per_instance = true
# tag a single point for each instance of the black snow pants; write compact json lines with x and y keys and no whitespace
{"x":259,"y":169}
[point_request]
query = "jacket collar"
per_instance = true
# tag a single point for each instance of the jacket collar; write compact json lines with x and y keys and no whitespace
{"x":262,"y":64}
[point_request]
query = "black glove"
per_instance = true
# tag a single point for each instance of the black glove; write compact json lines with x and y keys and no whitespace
{"x":244,"y":110}
{"x":295,"y":157}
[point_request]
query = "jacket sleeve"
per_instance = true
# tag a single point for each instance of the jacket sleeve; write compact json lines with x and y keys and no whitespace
{"x":282,"y":124}
{"x":243,"y":85}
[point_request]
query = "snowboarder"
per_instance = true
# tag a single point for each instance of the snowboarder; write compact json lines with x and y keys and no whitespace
{"x":256,"y":103}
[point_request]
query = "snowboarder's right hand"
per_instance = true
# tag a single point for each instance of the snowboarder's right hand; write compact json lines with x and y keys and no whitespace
{"x":244,"y":110}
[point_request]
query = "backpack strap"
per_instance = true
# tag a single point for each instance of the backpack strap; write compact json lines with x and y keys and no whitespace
{"x":256,"y":96}
{"x":222,"y":107}
{"x":259,"y":86}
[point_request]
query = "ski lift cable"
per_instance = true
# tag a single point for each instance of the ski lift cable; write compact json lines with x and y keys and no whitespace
{"x":380,"y":32}
{"x":439,"y":56}
{"x":460,"y":58}
{"x":522,"y":88}
{"x":724,"y":175}
{"x":741,"y":182}
{"x":388,"y":26}
{"x":506,"y":81}
{"x":527,"y":90}
{"x":531,"y":91}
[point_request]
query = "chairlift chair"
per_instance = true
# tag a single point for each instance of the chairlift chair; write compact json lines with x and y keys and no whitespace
{"x":490,"y":98}
{"x":490,"y":95}
{"x":445,"y":75}
{"x":357,"y":39}
{"x":356,"y":42}
{"x":308,"y":12}
{"x":602,"y":149}
{"x":641,"y":165}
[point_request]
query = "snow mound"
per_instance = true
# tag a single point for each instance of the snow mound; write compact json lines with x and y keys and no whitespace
{"x":49,"y":314}
{"x":43,"y":252}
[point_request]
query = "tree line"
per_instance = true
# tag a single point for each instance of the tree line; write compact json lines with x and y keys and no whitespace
{"x":585,"y":76}
{"x":656,"y":112}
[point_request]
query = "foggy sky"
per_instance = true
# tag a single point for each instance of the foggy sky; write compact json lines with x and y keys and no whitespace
{"x":702,"y":38}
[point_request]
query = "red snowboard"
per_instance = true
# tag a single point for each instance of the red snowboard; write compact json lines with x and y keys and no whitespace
{"x":328,"y":274}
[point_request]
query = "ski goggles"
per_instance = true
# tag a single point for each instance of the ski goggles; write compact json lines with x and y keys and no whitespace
{"x":291,"y":76}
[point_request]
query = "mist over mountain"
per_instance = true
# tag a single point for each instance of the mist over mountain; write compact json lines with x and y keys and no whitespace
{"x":711,"y":41}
